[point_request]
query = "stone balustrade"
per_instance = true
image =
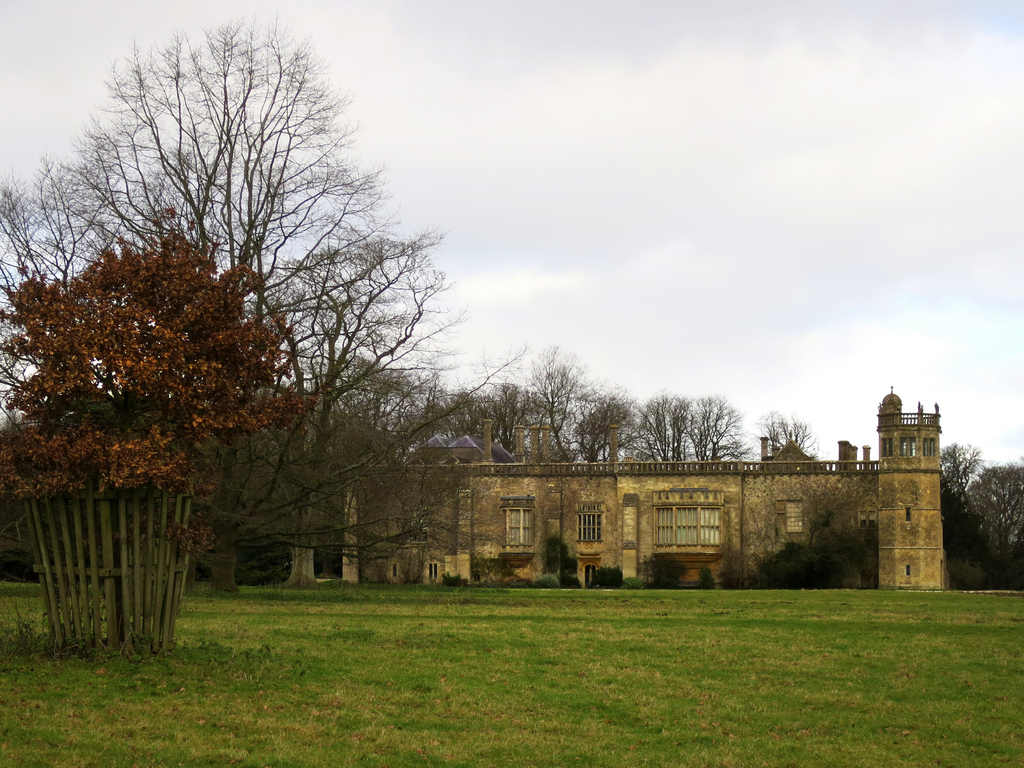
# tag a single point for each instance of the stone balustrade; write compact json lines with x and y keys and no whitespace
{"x":676,"y":468}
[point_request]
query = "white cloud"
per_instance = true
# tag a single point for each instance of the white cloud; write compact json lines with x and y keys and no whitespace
{"x":520,"y":289}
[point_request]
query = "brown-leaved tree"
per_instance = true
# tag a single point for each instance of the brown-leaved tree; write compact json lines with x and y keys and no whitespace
{"x":126,"y":372}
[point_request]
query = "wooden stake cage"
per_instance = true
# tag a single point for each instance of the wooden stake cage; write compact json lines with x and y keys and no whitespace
{"x":112,"y":567}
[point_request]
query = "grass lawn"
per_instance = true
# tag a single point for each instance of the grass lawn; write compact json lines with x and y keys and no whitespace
{"x":424,"y":676}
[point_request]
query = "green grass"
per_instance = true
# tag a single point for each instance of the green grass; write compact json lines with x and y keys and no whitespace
{"x":424,"y":676}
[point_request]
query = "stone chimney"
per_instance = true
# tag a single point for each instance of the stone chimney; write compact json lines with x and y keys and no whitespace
{"x":867,"y":452}
{"x":765,"y":453}
{"x":488,"y":454}
{"x":520,"y":444}
{"x":545,"y":443}
{"x":613,"y":443}
{"x":534,"y":444}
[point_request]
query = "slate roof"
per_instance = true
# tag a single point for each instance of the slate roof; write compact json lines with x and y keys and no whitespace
{"x":498,"y":452}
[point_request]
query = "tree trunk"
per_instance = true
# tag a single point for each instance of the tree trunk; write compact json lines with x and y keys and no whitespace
{"x":328,"y":570}
{"x":226,"y":525}
{"x":302,"y":576}
{"x":223,"y":560}
{"x":190,"y":573}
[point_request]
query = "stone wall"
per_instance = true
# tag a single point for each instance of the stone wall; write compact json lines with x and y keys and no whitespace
{"x":749,"y":499}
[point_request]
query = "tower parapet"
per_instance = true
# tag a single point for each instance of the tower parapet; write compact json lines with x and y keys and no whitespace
{"x":907,"y":440}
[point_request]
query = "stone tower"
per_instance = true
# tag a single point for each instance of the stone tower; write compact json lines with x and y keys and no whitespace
{"x":910,"y":553}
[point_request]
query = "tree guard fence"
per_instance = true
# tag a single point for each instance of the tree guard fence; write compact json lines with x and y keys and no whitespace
{"x":112,"y":566}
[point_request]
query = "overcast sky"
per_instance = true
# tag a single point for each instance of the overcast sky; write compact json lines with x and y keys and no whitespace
{"x":796,"y":205}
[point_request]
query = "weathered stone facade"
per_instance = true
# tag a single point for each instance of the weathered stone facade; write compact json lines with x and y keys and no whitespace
{"x":719,"y":514}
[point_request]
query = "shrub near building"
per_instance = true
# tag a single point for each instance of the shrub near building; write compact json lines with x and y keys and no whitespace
{"x":608,"y":576}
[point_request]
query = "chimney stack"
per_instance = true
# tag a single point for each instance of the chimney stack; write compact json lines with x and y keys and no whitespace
{"x":488,"y":454}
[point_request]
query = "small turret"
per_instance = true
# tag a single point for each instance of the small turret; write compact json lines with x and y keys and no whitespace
{"x":908,"y":440}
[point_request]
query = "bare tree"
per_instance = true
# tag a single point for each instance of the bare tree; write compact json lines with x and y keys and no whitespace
{"x":47,"y":224}
{"x":241,"y":134}
{"x":560,"y":384}
{"x":507,"y":404}
{"x":961,"y":465}
{"x":662,"y":428}
{"x":997,"y":495}
{"x":716,"y":429}
{"x":780,"y":429}
{"x":964,"y":534}
{"x":316,"y":491}
{"x":604,"y":407}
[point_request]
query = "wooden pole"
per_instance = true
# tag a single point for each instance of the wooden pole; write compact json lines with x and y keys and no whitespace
{"x":126,"y":601}
{"x":150,"y":577}
{"x":37,"y":535}
{"x":138,"y":586}
{"x":83,"y":579}
{"x":94,"y":566}
{"x":182,"y":509}
{"x":161,"y":575}
{"x":109,"y":583}
{"x":72,"y":594}
{"x":60,"y":587}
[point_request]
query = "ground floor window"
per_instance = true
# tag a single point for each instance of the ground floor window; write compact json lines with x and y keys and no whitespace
{"x":432,"y":569}
{"x":589,"y":525}
{"x":518,"y":526}
{"x":689,"y":525}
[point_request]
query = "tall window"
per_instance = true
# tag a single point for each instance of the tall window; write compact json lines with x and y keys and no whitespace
{"x":517,"y":526}
{"x":689,"y":525}
{"x":710,"y":531}
{"x":432,"y":570}
{"x":929,"y":447}
{"x":794,"y":517}
{"x":589,"y":526}
{"x":886,"y":447}
{"x":908,"y":446}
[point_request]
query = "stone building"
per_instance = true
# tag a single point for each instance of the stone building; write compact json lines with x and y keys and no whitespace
{"x":719,"y":514}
